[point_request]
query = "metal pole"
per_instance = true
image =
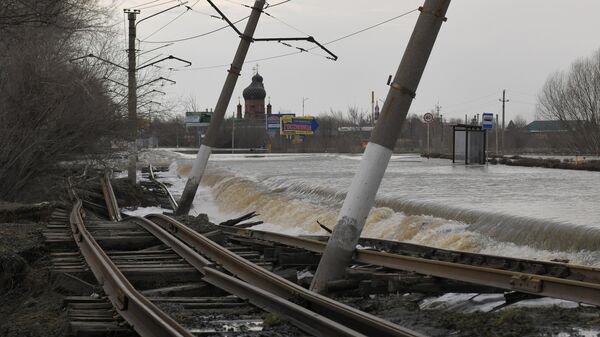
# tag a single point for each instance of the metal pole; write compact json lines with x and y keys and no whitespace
{"x":467,"y":145}
{"x":304,"y":99}
{"x":496,"y":134}
{"x":453,"y":144}
{"x":132,"y":99}
{"x":372,"y":108}
{"x":503,"y":100}
{"x":428,"y":150}
{"x":210,"y":140}
{"x":361,"y":195}
{"x":233,"y":134}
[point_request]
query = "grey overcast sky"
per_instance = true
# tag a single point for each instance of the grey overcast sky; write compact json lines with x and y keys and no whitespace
{"x":484,"y":47}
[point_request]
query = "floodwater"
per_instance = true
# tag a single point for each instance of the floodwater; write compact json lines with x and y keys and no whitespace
{"x":517,"y":211}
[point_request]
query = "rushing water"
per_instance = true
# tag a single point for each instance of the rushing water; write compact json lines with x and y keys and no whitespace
{"x":496,"y":209}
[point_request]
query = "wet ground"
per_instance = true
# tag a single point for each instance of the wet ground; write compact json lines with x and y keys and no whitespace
{"x":28,"y":305}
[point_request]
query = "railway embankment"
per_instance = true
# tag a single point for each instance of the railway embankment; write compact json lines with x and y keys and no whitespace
{"x":28,"y":304}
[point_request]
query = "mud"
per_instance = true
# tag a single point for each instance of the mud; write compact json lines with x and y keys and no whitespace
{"x":404,"y":310}
{"x":270,"y":325}
{"x":28,"y":306}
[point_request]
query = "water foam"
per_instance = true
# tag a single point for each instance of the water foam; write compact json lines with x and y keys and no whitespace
{"x":294,"y":207}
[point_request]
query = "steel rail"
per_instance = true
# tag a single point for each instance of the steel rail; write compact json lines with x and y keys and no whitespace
{"x":172,"y":200}
{"x":258,"y":277}
{"x":570,"y":271}
{"x":109,"y":197}
{"x":542,"y":285}
{"x":145,"y":318}
{"x":303,"y":318}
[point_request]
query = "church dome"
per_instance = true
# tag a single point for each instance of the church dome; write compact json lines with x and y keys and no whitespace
{"x":256,"y":89}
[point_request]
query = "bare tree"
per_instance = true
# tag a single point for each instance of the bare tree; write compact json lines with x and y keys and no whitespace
{"x":50,"y":109}
{"x":573,"y":97}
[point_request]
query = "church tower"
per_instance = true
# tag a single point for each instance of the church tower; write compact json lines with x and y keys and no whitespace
{"x":254,"y":98}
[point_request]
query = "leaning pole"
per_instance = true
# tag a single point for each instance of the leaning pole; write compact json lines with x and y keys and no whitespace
{"x":376,"y":157}
{"x":210,"y":139}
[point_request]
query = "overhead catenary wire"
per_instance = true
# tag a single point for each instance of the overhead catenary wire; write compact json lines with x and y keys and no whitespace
{"x":199,"y":35}
{"x":187,"y":8}
{"x":223,"y":27}
{"x":308,"y":49}
{"x":156,"y":5}
{"x":276,"y":4}
{"x":148,"y":3}
{"x":285,"y":23}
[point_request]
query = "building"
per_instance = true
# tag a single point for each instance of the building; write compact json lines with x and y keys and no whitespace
{"x":254,"y":100}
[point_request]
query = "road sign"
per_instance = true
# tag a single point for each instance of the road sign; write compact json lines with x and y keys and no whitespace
{"x":274,"y":121}
{"x":305,"y":125}
{"x":428,"y":117}
{"x":487,"y":120}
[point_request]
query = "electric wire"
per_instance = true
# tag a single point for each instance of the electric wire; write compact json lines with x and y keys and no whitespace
{"x":221,"y":28}
{"x":276,"y":4}
{"x":170,"y":22}
{"x":308,"y":49}
{"x":285,"y":23}
{"x":160,"y":4}
{"x":148,"y":3}
{"x":370,"y":27}
{"x":199,"y":35}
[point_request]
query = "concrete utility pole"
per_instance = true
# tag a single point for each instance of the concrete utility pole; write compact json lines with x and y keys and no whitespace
{"x":132,"y":97}
{"x":210,"y":140}
{"x":361,"y":195}
{"x":372,"y":108}
{"x":503,"y":100}
{"x":496,"y":126}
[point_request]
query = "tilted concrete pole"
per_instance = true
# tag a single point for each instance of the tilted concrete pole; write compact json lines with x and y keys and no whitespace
{"x":361,"y":196}
{"x":218,"y":115}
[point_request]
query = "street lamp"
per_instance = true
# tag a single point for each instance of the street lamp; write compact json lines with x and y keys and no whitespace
{"x":304,"y":99}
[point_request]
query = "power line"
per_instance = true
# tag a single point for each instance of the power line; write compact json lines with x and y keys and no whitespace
{"x":149,"y":2}
{"x":170,"y":22}
{"x":197,"y":36}
{"x":285,"y":23}
{"x":371,"y":27}
{"x":277,"y":4}
{"x":300,"y":51}
{"x":160,"y":4}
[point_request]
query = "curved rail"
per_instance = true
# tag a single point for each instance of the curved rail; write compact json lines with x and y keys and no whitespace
{"x":145,"y":318}
{"x":109,"y":197}
{"x":258,"y":277}
{"x":542,"y":285}
{"x":172,"y":200}
{"x":305,"y":319}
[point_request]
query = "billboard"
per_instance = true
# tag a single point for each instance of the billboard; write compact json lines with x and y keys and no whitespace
{"x":274,"y":121}
{"x":197,"y":118}
{"x":305,"y":125}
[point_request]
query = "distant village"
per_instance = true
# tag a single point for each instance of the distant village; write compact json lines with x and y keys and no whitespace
{"x":253,"y":127}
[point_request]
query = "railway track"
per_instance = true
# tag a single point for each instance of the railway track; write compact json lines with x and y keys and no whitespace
{"x":538,"y":278}
{"x":142,"y":272}
{"x":140,"y":268}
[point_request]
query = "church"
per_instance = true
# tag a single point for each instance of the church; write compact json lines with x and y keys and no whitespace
{"x":254,"y":101}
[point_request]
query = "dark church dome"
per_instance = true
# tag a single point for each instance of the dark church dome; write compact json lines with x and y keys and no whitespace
{"x":256,"y":89}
